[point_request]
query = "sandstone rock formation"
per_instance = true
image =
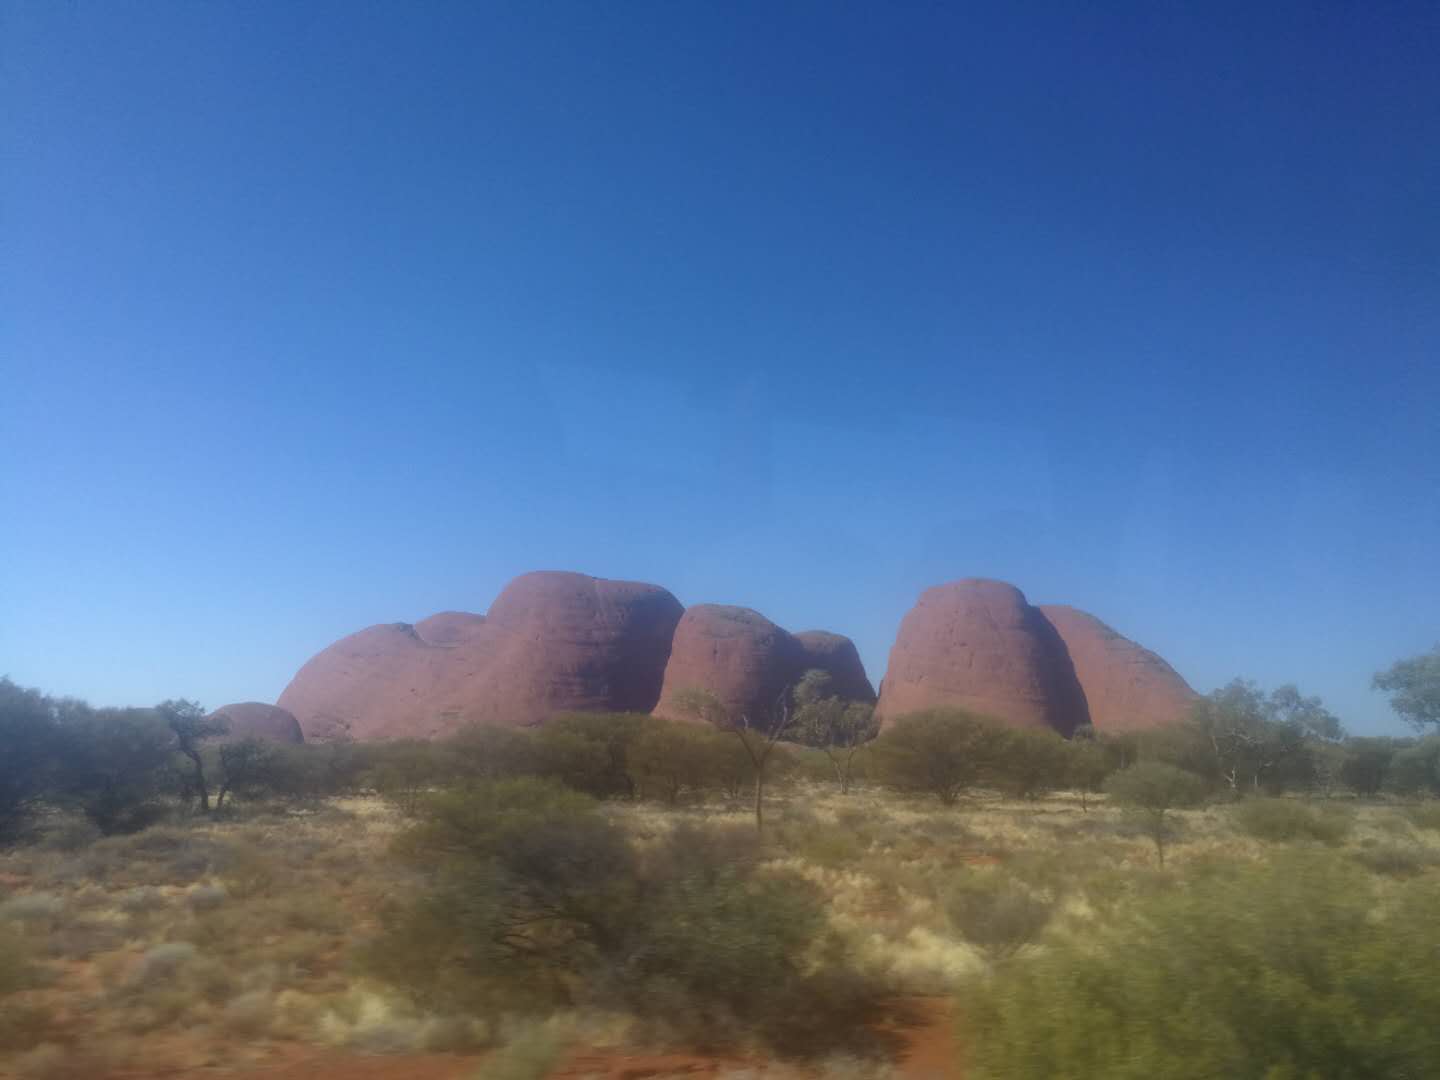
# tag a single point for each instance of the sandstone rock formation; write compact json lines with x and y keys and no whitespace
{"x":552,"y":641}
{"x":978,"y":645}
{"x":450,"y":628}
{"x":747,"y":661}
{"x":256,"y":720}
{"x":1127,"y":687}
{"x":837,"y":654}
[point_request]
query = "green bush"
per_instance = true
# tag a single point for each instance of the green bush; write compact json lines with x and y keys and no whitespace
{"x":1149,"y":791}
{"x":1424,"y":816}
{"x":14,"y":962}
{"x":996,"y":913}
{"x":1397,"y":860}
{"x":1283,"y":820}
{"x":1289,"y":969}
{"x":534,"y":900}
{"x":1032,"y":762}
{"x":940,"y":752}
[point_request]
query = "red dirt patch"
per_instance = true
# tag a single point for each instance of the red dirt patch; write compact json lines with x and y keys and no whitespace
{"x":921,"y":1028}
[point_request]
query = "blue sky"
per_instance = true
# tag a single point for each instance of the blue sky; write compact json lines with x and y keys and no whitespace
{"x":316,"y":316}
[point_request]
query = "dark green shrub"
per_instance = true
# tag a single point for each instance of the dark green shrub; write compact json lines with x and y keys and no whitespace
{"x":1293,"y":969}
{"x":1396,"y":859}
{"x":30,"y":740}
{"x":940,"y":752}
{"x":1366,"y":764}
{"x":533,"y":899}
{"x":1032,"y":762}
{"x":1149,"y":791}
{"x":1284,"y":820}
{"x":1415,"y":770}
{"x":996,"y":913}
{"x":115,"y":766}
{"x":1424,"y":816}
{"x":14,"y":962}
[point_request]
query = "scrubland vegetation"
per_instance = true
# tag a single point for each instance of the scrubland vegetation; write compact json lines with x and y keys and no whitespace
{"x":1252,"y":894}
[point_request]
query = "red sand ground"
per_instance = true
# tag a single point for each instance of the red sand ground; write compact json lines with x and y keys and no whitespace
{"x":923,"y":1030}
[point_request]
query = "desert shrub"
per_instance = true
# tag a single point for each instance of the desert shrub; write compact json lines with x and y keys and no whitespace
{"x":604,"y":768}
{"x":1415,"y":770}
{"x":141,"y":899}
{"x":115,"y":766}
{"x":161,"y":855}
{"x":161,"y":962}
{"x":206,"y":897}
{"x":404,"y":770}
{"x":490,"y":752}
{"x":36,"y":907}
{"x":940,"y":752}
{"x":826,"y":845}
{"x":1032,"y":762}
{"x":69,"y":834}
{"x":1148,"y":791}
{"x":1365,"y":764}
{"x":1290,"y":968}
{"x":667,"y":759}
{"x":15,"y":971}
{"x":995,"y":912}
{"x":31,"y":741}
{"x":531,"y":1055}
{"x":249,"y":1014}
{"x":85,"y":937}
{"x":1284,"y":820}
{"x":533,"y":899}
{"x":1424,"y":816}
{"x":1089,"y":763}
{"x":1396,"y":859}
{"x":247,"y":871}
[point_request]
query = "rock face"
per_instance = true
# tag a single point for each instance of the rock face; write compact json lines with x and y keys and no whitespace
{"x":1127,"y":687}
{"x":837,"y":654}
{"x":978,"y":645}
{"x":552,"y":641}
{"x":747,"y":661}
{"x":256,"y":720}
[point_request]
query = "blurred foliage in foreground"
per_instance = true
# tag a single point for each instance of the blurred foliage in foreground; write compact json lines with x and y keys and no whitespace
{"x":1300,"y":967}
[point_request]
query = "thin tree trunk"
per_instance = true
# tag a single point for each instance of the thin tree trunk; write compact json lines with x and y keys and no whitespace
{"x":200,"y":780}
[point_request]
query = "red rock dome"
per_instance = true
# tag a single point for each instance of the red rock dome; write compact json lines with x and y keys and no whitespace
{"x":747,"y":661}
{"x":978,"y":645}
{"x":450,"y":628}
{"x":1127,"y":687}
{"x":552,"y":642}
{"x":837,"y":655}
{"x":256,"y":720}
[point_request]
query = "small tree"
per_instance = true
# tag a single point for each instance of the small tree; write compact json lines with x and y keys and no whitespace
{"x":836,"y":727}
{"x":669,"y":758}
{"x":114,"y":764}
{"x":940,"y":751}
{"x":1259,"y":740}
{"x":1414,"y":688}
{"x":1032,"y":762}
{"x":404,"y":771}
{"x":190,"y":726}
{"x":1366,"y":764}
{"x":1415,"y":770}
{"x":758,"y":735}
{"x":1089,"y":763}
{"x":246,"y":766}
{"x":28,"y":752}
{"x":1149,"y":791}
{"x":492,"y":752}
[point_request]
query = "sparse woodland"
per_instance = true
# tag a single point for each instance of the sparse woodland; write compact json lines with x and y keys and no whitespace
{"x":1251,"y":894}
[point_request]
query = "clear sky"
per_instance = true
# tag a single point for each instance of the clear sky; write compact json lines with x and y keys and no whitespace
{"x":314,"y":316}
